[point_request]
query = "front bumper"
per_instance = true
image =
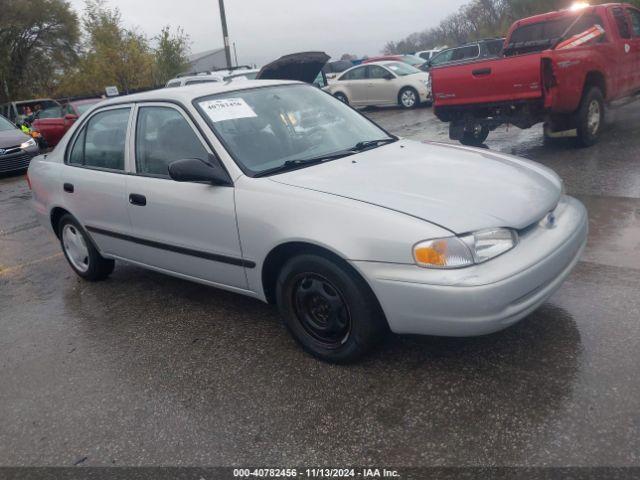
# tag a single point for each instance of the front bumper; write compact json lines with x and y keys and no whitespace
{"x":485,"y":298}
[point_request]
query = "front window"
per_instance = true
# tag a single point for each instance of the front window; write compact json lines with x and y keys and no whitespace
{"x":55,"y":112}
{"x":443,"y":57}
{"x":82,"y":107}
{"x":6,"y":125}
{"x":401,"y":69}
{"x":271,"y":129}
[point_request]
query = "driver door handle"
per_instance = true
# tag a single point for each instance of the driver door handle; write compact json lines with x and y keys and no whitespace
{"x":137,"y":199}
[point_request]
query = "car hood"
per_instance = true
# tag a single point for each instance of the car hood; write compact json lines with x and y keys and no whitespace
{"x":458,"y":188}
{"x":303,"y":67}
{"x":12,"y":138}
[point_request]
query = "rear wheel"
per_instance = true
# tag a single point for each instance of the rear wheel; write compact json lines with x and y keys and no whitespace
{"x":342,"y":97}
{"x":329,"y":309}
{"x":79,"y":251}
{"x":408,"y":98}
{"x":590,"y":117}
{"x":475,"y":136}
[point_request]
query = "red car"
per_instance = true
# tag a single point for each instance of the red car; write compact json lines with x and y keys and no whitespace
{"x":53,"y":123}
{"x":560,"y":68}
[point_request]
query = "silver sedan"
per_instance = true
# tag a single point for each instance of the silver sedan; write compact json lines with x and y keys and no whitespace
{"x":277,"y":191}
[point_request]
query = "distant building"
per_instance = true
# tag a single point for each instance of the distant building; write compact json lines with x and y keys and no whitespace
{"x":209,"y":60}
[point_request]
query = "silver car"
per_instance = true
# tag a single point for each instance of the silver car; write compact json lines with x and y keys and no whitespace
{"x":280,"y":192}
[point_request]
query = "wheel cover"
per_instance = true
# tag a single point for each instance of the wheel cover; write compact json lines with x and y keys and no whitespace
{"x":321,"y":310}
{"x":593,"y":117}
{"x":408,"y":98}
{"x":75,"y":247}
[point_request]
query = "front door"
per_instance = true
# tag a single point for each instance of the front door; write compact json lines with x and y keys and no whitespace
{"x":94,"y":179}
{"x":184,"y":228}
{"x":382,"y":87}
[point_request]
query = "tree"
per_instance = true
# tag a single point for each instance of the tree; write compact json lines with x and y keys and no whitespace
{"x":170,"y":55}
{"x":38,"y":41}
{"x":112,"y":55}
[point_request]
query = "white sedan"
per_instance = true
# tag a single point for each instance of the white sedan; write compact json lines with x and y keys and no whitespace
{"x":280,"y":192}
{"x":382,"y":84}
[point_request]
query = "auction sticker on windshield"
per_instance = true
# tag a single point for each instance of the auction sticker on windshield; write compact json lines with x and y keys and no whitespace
{"x":227,"y":109}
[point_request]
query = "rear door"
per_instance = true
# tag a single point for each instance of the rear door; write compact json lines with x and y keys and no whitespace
{"x":355,"y":84}
{"x":93,"y":179}
{"x":185,"y":228}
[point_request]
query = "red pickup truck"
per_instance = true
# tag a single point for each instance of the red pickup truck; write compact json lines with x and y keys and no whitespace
{"x":560,"y":68}
{"x":52,"y":123}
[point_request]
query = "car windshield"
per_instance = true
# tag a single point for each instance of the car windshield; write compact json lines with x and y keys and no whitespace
{"x":6,"y":124}
{"x":269,"y":129}
{"x":402,"y":69}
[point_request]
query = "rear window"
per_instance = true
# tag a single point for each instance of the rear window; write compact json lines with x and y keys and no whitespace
{"x":540,"y":36}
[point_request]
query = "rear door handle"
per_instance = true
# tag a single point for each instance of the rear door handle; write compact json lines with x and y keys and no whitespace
{"x":481,"y":71}
{"x":68,"y":187}
{"x":137,"y":199}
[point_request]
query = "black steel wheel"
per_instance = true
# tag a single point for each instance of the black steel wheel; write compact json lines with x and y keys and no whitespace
{"x":328,"y":308}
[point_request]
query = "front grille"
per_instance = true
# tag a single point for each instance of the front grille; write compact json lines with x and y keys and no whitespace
{"x":10,"y":163}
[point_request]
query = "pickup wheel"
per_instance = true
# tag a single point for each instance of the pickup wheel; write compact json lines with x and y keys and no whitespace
{"x":82,"y":255}
{"x":475,"y":136}
{"x":590,"y":117}
{"x":329,"y":309}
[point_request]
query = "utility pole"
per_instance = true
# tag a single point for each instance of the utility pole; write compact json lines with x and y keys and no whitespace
{"x":225,"y":34}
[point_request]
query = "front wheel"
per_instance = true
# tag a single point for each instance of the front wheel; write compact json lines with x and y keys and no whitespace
{"x":329,"y":309}
{"x":408,"y":98}
{"x":590,"y":117}
{"x":79,"y":251}
{"x":475,"y":136}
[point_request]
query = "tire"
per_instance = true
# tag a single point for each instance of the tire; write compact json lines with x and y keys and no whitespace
{"x":408,"y":98}
{"x":342,"y":97}
{"x":80,"y":252}
{"x":475,"y":137}
{"x":590,"y":117}
{"x":329,"y":309}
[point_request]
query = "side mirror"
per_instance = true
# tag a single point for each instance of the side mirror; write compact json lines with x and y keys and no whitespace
{"x":70,"y":117}
{"x":196,"y":170}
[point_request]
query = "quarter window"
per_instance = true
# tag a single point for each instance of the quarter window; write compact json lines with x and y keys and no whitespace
{"x":163,"y":136}
{"x":101,"y":143}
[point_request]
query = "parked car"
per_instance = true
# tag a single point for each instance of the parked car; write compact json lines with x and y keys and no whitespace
{"x":560,"y":68}
{"x":195,"y":79}
{"x":249,"y":74}
{"x":412,"y":60}
{"x":427,"y":55}
{"x":20,"y":111}
{"x":487,"y":48}
{"x":16,"y":148}
{"x":277,"y":191}
{"x":382,"y":83}
{"x":54,"y":122}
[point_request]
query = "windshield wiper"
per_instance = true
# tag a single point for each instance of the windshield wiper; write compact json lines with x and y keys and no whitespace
{"x":361,"y":146}
{"x":305,"y":162}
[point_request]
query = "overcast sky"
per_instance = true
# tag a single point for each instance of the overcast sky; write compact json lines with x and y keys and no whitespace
{"x":265,"y":29}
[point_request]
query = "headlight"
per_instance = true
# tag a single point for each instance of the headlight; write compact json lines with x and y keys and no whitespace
{"x":29,"y":143}
{"x":464,"y":251}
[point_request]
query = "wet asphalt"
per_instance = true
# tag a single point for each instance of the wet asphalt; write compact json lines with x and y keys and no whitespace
{"x":144,"y":369}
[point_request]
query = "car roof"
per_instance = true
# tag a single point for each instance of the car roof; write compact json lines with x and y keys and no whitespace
{"x":187,"y":94}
